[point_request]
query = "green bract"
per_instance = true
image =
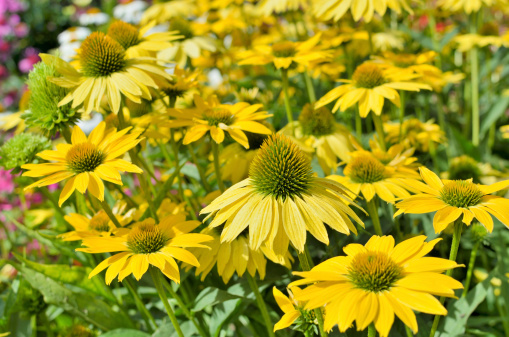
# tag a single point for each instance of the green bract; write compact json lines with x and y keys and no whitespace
{"x":44,"y":111}
{"x":21,"y":149}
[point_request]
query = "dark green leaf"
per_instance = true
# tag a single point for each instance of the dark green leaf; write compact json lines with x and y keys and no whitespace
{"x":125,"y":333}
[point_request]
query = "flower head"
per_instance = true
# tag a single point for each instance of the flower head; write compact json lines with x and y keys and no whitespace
{"x":137,"y":42}
{"x":293,"y":310}
{"x":281,"y":200}
{"x":87,"y":161}
{"x":376,"y":281}
{"x":414,"y":134}
{"x":44,"y":111}
{"x":369,"y":87}
{"x":104,"y":70}
{"x":216,"y":118}
{"x":365,"y":173}
{"x":148,"y":243}
{"x":286,"y":54}
{"x":451,"y":199}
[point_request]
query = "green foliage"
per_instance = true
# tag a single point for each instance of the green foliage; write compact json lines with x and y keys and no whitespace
{"x":21,"y":149}
{"x":44,"y":111}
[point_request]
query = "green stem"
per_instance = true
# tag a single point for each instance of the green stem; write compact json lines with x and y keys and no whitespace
{"x":289,"y":114}
{"x":108,"y":211}
{"x":502,"y":313}
{"x":401,"y":115}
{"x":358,"y":125}
{"x":184,"y":308}
{"x":373,"y":214}
{"x":217,"y":166}
{"x":203,"y":177}
{"x":147,"y":316}
{"x":160,"y":195}
{"x":458,"y":226}
{"x":261,"y":305}
{"x":309,"y":87}
{"x":371,"y":330}
{"x":474,"y":73}
{"x":471,"y":264}
{"x":306,"y":263}
{"x":130,"y":202}
{"x":47,"y":326}
{"x":408,"y":332}
{"x":370,"y":39}
{"x":175,"y":149}
{"x":156,"y":277}
{"x":377,"y":120}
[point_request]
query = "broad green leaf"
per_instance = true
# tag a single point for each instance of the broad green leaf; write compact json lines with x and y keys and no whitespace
{"x":460,"y":310}
{"x":167,"y":330}
{"x":80,"y":305}
{"x":74,"y":275}
{"x":496,"y":111}
{"x":211,"y":296}
{"x":125,"y":333}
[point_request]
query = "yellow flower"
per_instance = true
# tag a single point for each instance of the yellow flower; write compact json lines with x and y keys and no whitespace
{"x":234,"y":257}
{"x":216,"y":118}
{"x":285,"y":54}
{"x":488,"y":35}
{"x":163,"y":12}
{"x":469,"y":6}
{"x":281,"y":200}
{"x":183,"y":80}
{"x":376,"y":281}
{"x":194,"y":41}
{"x":267,"y":7}
{"x":360,"y":9}
{"x":453,"y":198}
{"x":98,"y":225}
{"x":317,"y":132}
{"x":419,"y":64}
{"x":104,"y":70}
{"x":505,"y":131}
{"x":369,"y":87}
{"x":415,"y":134}
{"x":147,"y":243}
{"x":87,"y":161}
{"x":367,"y":174}
{"x":136,"y":42}
{"x":292,"y":308}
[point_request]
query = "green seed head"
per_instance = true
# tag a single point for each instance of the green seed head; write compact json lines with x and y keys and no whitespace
{"x":366,"y":169}
{"x":463,"y":168}
{"x":84,"y":157}
{"x":461,"y":193}
{"x":316,"y":122}
{"x":368,"y":75}
{"x":280,"y":169}
{"x":146,"y":238}
{"x":182,"y":26}
{"x":217,"y":115}
{"x":374,"y":272}
{"x":100,"y":55}
{"x":21,"y":149}
{"x":124,"y":33}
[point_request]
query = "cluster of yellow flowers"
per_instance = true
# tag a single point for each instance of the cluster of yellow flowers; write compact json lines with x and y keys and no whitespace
{"x":196,"y":97}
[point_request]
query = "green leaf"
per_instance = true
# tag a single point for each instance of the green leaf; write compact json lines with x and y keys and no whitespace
{"x":74,"y":275}
{"x":125,"y":333}
{"x":496,"y":111}
{"x":167,"y":330}
{"x":459,"y":311}
{"x":80,"y":305}
{"x":211,"y":296}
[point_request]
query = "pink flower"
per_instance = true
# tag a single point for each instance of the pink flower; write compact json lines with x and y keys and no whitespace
{"x":27,"y":64}
{"x":6,"y":181}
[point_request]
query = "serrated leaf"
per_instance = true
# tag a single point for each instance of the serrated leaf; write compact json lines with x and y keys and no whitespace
{"x":495,"y":112}
{"x":459,"y":311}
{"x":81,"y":305}
{"x":73,"y":275}
{"x":125,"y":333}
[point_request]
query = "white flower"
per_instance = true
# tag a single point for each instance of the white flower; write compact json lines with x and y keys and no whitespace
{"x":130,"y":12}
